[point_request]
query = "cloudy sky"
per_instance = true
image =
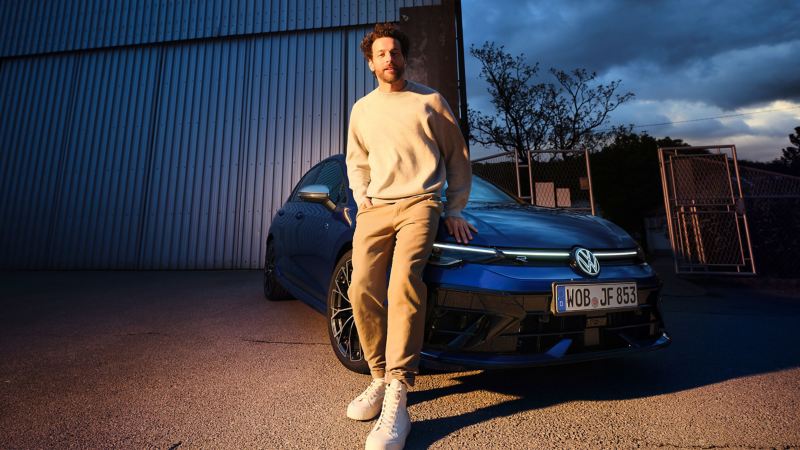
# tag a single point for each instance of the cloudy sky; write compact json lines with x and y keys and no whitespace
{"x":684,"y":60}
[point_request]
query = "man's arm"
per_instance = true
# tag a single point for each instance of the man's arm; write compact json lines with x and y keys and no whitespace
{"x":454,"y":151}
{"x":459,"y":171}
{"x":357,"y":161}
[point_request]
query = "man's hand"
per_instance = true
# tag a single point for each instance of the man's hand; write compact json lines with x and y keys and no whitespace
{"x":367,"y":203}
{"x":459,"y":227}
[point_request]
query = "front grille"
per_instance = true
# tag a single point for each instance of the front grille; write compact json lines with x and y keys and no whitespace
{"x":512,"y":324}
{"x":539,"y":332}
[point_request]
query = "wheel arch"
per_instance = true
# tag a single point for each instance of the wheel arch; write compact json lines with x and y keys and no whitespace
{"x":347,"y":246}
{"x":270,"y":238}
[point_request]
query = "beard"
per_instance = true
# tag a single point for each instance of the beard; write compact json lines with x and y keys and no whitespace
{"x":389,"y":77}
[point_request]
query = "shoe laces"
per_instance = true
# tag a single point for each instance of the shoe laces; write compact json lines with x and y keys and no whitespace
{"x":391,"y":402}
{"x":372,"y":390}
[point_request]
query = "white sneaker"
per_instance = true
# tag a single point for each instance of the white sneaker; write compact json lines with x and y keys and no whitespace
{"x":392,"y":428}
{"x":367,"y":405}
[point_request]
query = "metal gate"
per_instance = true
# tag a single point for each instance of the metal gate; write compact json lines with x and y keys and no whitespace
{"x":553,"y":178}
{"x":705,"y":209}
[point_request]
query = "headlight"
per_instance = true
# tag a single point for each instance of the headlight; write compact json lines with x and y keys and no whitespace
{"x":447,"y":255}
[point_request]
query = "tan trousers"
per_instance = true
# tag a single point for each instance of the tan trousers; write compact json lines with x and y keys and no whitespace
{"x":401,"y":233}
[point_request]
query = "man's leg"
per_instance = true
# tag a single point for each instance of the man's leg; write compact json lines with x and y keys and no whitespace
{"x":372,"y":250}
{"x":416,"y":224}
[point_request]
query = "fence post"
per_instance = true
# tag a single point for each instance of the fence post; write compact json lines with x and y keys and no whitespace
{"x":589,"y":175}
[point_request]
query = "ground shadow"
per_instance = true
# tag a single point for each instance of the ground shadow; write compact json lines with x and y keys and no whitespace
{"x":722,"y":336}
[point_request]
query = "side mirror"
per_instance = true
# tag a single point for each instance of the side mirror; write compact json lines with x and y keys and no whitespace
{"x":317,"y":193}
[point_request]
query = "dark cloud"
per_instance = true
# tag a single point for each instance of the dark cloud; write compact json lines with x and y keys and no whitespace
{"x":730,"y":54}
{"x":684,"y":59}
{"x":738,"y":78}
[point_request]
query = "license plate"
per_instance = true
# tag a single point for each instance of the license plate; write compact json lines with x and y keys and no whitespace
{"x":594,"y":296}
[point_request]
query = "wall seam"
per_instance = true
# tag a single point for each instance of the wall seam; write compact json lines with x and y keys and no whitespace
{"x":149,"y":159}
{"x":54,"y":214}
{"x":242,"y":159}
{"x":167,"y":43}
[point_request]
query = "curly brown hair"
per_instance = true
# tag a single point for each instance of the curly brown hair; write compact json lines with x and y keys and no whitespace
{"x":385,"y":30}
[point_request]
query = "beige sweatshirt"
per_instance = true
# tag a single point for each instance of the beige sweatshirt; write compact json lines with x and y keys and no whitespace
{"x":405,"y":143}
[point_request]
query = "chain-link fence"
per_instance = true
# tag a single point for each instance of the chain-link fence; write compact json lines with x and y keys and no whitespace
{"x":499,"y":169}
{"x":723,"y":216}
{"x":773,"y":209}
{"x":701,"y":180}
{"x":705,"y":210}
{"x":759,"y":183}
{"x":553,"y":179}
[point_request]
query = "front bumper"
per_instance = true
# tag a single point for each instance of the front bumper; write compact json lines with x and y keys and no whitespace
{"x":438,"y":359}
{"x":470,"y":327}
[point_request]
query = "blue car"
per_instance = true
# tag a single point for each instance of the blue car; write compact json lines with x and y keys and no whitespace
{"x":535,"y":286}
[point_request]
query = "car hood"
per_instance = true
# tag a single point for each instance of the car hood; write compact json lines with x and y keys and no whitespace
{"x":528,"y":226}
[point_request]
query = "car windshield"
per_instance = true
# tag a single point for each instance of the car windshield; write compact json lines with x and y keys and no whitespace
{"x":484,"y":192}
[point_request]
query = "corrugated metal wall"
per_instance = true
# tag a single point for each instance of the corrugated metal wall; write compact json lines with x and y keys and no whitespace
{"x":36,"y":108}
{"x":170,"y":155}
{"x":101,"y":187}
{"x":45,"y":26}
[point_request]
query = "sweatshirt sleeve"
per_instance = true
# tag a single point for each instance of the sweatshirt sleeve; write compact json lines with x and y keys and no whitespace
{"x":456,"y":156}
{"x":356,"y":159}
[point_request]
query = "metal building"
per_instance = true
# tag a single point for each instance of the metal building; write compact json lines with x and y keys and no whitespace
{"x":139,"y":134}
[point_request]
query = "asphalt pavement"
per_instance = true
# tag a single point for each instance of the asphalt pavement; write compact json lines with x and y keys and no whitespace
{"x":199,"y":359}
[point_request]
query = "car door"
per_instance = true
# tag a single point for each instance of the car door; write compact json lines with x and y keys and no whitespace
{"x":321,"y":229}
{"x":286,"y":229}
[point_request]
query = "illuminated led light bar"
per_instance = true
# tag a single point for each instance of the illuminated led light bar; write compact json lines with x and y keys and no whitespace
{"x":537,"y":253}
{"x":614,"y":254}
{"x":464,"y":248}
{"x":530,"y":253}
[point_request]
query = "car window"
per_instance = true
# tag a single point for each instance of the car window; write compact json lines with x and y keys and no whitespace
{"x":484,"y":191}
{"x":331,"y":175}
{"x":309,"y":178}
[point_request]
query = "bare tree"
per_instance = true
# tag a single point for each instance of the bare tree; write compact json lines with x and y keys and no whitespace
{"x":531,"y":115}
{"x":518,"y":124}
{"x":578,"y":106}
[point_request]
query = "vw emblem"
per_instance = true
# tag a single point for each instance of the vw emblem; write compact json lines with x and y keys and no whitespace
{"x":584,"y":262}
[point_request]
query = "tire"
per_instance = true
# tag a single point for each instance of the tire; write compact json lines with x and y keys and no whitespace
{"x":273,"y":290}
{"x":341,"y":325}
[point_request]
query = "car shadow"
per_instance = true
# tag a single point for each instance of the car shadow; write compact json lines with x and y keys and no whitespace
{"x":715,"y":338}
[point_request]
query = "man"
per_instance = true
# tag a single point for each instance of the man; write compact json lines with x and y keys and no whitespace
{"x":403,"y":142}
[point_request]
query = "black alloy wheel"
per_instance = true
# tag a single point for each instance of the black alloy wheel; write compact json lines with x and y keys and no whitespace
{"x":272,"y":288}
{"x":341,"y":324}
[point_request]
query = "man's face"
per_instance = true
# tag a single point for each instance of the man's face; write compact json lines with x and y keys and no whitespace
{"x":387,"y":60}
